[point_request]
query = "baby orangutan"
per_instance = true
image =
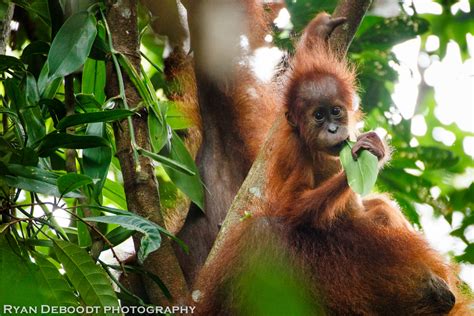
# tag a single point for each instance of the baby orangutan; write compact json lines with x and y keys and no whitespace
{"x":355,"y":256}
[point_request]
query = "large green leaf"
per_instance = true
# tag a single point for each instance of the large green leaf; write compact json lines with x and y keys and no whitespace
{"x":53,"y":141}
{"x":94,"y":117}
{"x":151,"y":239}
{"x":58,"y":290}
{"x":72,"y":181}
{"x":72,"y":45}
{"x":361,"y":173}
{"x":190,"y":185}
{"x":18,"y":283}
{"x":88,"y":279}
{"x":130,"y":214}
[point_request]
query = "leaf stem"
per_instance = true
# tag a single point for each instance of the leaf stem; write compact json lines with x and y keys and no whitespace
{"x":122,"y":93}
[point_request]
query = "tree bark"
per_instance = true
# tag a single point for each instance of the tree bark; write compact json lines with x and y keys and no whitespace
{"x":250,"y":195}
{"x":5,"y":21}
{"x":354,"y":11}
{"x":141,"y":186}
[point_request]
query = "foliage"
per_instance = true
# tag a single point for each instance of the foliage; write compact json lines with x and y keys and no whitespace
{"x":57,"y":154}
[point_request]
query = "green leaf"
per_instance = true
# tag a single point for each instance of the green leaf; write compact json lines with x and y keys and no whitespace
{"x":12,"y":63}
{"x":100,"y":48}
{"x":157,"y":131}
{"x":190,"y":185}
{"x":33,"y":185}
{"x":387,"y":32}
{"x":431,"y":156}
{"x":84,"y":238}
{"x":33,"y":173}
{"x":39,"y":7}
{"x":88,"y":279}
{"x":18,"y":284}
{"x":56,"y":109}
{"x":72,"y":181}
{"x":136,"y":79}
{"x":115,"y":193}
{"x":167,"y":162}
{"x":118,"y":235}
{"x":31,"y":90}
{"x":93,"y":79}
{"x":151,"y":239}
{"x":53,"y":141}
{"x":34,"y":56}
{"x":96,"y":161}
{"x":47,"y":87}
{"x":88,"y":101}
{"x":58,"y":290}
{"x":176,"y":119}
{"x":72,"y":45}
{"x":468,"y":255}
{"x":361,"y":174}
{"x":127,"y":213}
{"x":29,"y":112}
{"x":94,"y":117}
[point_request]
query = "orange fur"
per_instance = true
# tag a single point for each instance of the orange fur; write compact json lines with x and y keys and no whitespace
{"x":357,"y":257}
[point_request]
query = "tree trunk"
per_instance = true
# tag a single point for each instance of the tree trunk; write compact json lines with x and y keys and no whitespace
{"x":141,"y":186}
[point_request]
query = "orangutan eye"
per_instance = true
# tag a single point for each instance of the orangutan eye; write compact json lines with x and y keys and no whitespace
{"x":336,"y":111}
{"x":319,"y":115}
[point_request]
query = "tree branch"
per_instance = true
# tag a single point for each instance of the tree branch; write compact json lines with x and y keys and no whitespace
{"x":354,"y":11}
{"x":141,"y":186}
{"x":250,"y":195}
